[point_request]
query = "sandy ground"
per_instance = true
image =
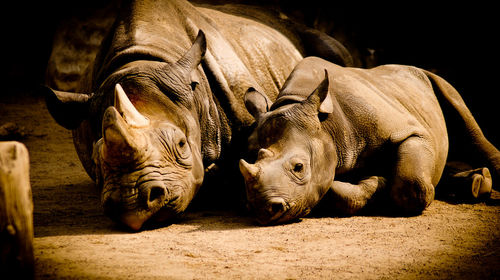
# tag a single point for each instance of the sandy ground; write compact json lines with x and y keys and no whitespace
{"x":74,"y":240}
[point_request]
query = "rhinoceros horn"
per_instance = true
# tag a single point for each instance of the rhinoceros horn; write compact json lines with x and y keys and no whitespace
{"x":127,"y":109}
{"x":249,"y":171}
{"x":122,"y":141}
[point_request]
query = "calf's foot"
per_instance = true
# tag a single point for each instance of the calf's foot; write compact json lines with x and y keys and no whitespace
{"x":481,"y":183}
{"x":466,"y":183}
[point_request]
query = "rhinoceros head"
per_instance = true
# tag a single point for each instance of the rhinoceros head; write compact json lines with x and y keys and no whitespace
{"x":147,"y":168}
{"x":295,"y":157}
{"x":148,"y":159}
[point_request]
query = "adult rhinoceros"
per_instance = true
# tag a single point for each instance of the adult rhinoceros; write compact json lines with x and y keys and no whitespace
{"x":164,"y":98}
{"x":360,"y":134}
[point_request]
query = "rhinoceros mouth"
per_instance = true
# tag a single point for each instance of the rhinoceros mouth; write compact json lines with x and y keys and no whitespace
{"x":266,"y":216}
{"x":126,"y":206}
{"x":137,"y":220}
{"x":269,"y":221}
{"x":283,"y":218}
{"x":291,"y":215}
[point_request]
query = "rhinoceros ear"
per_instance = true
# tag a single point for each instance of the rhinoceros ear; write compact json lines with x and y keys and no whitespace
{"x":321,"y":96}
{"x":67,"y":108}
{"x":193,"y":56}
{"x":257,"y":103}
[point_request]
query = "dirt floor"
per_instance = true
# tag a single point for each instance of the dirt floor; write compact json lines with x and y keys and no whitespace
{"x":74,"y":240}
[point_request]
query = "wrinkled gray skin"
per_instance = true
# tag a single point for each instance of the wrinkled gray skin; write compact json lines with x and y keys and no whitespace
{"x":163,"y":100}
{"x":356,"y":133}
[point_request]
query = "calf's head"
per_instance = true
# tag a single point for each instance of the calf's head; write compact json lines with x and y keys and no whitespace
{"x":149,"y":157}
{"x":296,"y":158}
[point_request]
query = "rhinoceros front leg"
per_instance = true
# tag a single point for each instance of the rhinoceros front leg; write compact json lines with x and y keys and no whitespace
{"x":350,"y":198}
{"x":410,"y":186}
{"x":411,"y":189}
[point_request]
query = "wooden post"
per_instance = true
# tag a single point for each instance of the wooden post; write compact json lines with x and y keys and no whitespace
{"x":16,"y":213}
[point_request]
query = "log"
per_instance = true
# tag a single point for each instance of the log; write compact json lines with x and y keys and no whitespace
{"x":16,"y":212}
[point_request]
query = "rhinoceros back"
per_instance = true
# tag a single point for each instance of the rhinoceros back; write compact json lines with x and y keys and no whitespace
{"x":247,"y":53}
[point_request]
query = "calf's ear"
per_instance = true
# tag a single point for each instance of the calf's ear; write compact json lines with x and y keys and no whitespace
{"x":320,"y":97}
{"x":67,"y":108}
{"x":257,"y":103}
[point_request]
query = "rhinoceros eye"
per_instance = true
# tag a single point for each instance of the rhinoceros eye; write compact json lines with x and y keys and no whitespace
{"x":182,"y":147}
{"x":182,"y":142}
{"x":298,"y":167}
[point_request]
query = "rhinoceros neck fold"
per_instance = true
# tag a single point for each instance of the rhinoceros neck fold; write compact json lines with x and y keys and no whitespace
{"x":348,"y":142}
{"x":146,"y":30}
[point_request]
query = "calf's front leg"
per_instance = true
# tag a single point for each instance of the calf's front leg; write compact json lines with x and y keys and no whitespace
{"x":410,"y":188}
{"x":350,"y":198}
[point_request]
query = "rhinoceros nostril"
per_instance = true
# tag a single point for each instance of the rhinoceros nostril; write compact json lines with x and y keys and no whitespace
{"x":156,"y":193}
{"x":277,"y":205}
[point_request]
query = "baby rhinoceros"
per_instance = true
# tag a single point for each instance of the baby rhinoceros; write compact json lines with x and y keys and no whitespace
{"x":359,"y":134}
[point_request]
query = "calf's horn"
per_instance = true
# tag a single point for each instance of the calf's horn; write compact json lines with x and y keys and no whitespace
{"x":264,"y":153}
{"x":249,"y":171}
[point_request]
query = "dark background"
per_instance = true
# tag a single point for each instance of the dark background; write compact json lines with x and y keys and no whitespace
{"x":456,"y":41}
